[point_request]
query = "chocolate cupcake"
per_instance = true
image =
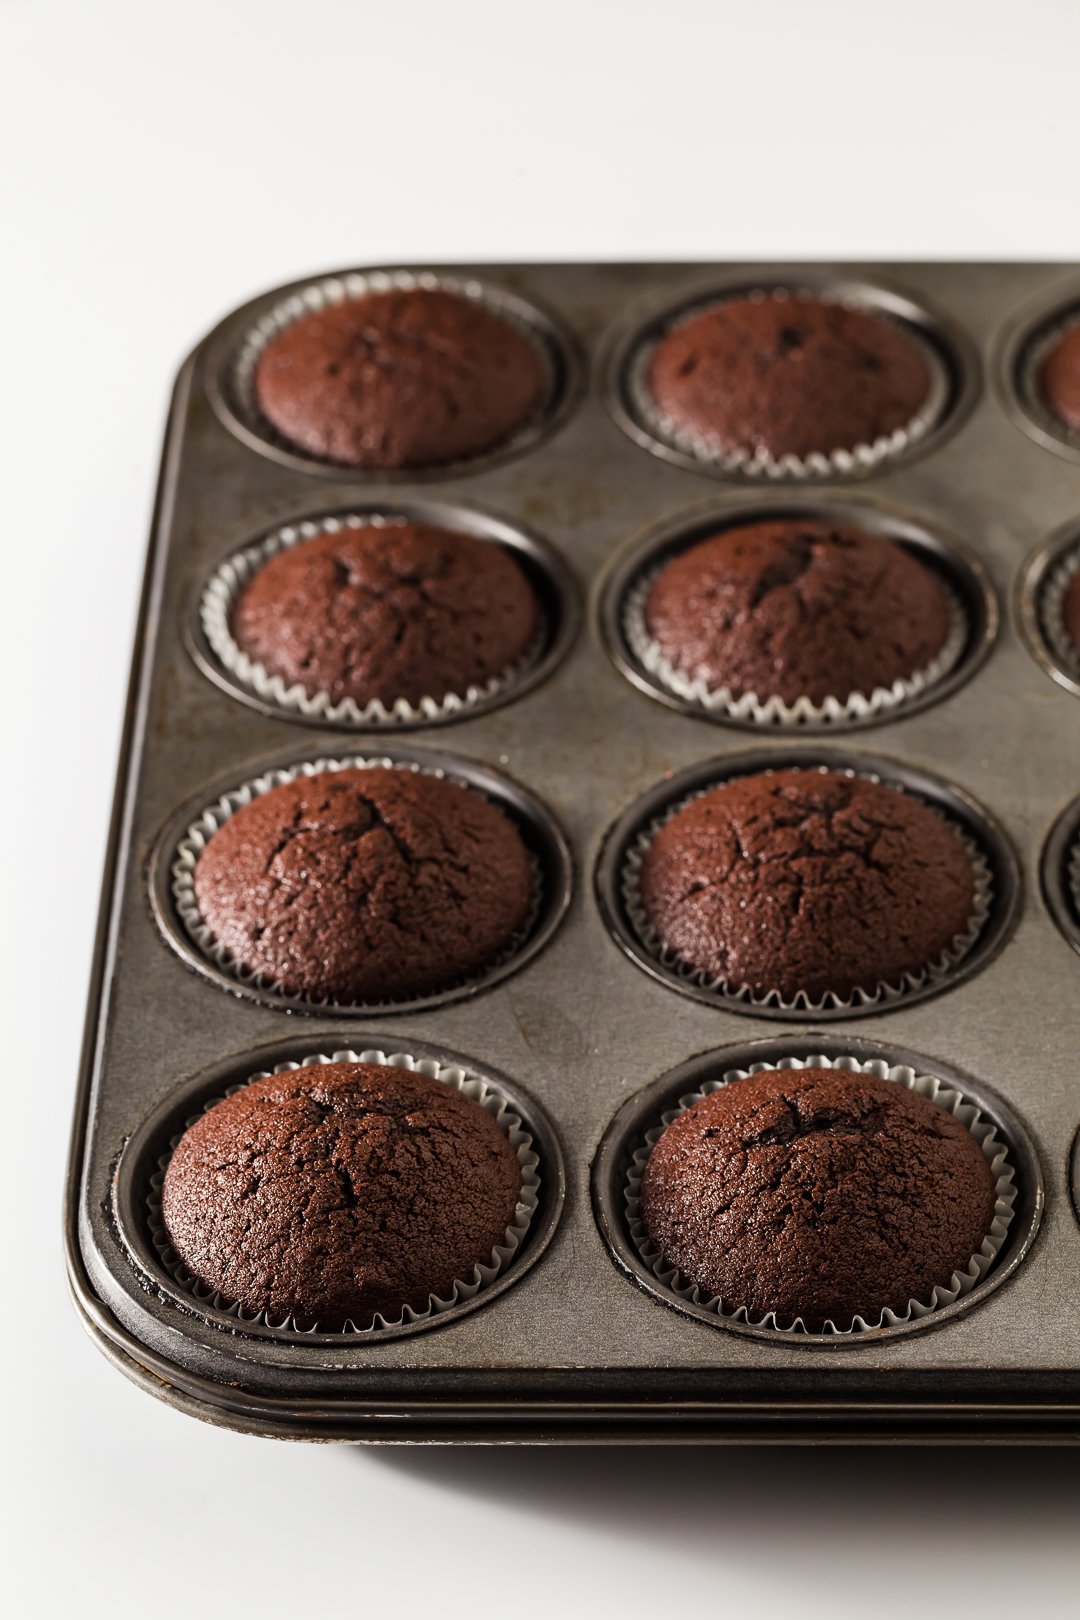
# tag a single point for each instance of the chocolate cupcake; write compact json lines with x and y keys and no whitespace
{"x":1070,"y":613}
{"x":333,"y":1193}
{"x":387,"y":612}
{"x":413,"y":377}
{"x":795,"y":609}
{"x":777,"y":374}
{"x":365,"y":885}
{"x":1059,"y":378}
{"x":819,"y":1195}
{"x":807,"y":882}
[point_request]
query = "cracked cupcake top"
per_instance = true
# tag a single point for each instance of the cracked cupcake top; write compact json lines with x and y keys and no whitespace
{"x":334,"y":1192}
{"x":793,"y":608}
{"x":1059,"y":378}
{"x":365,"y":885}
{"x":806,"y":880}
{"x":817,"y":1193}
{"x":388,"y":611}
{"x":413,"y":378}
{"x":787,"y":374}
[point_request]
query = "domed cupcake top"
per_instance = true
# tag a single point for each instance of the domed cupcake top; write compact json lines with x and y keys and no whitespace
{"x":794,"y":608}
{"x":1059,"y":377}
{"x":817,"y":1194}
{"x":787,"y":374}
{"x":807,"y":881}
{"x":334,"y":1192}
{"x":413,"y":377}
{"x":365,"y":885}
{"x":384,"y":612}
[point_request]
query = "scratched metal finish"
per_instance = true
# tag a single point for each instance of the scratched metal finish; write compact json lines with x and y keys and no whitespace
{"x":580,"y":1028}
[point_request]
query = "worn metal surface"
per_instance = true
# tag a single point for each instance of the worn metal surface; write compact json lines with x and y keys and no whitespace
{"x":573,"y":1349}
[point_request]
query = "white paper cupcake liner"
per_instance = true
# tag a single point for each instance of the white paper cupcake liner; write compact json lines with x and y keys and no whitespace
{"x":215,"y":615}
{"x":958,"y":1286}
{"x":200,"y":831}
{"x":773,"y":711}
{"x":466,"y":1288}
{"x":1032,"y":357}
{"x":761,"y":464}
{"x":1052,"y":615}
{"x":880,"y":995}
{"x":240,"y":381}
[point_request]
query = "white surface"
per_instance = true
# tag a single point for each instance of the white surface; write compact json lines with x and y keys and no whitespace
{"x":162,"y":163}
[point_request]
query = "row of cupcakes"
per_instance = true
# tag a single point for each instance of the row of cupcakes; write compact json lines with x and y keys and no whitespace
{"x":764,"y":883}
{"x":796,"y":617}
{"x":402,"y":372}
{"x":802,"y":1194}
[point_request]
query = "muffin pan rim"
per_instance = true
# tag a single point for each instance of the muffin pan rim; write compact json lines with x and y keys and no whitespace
{"x":560,"y":347}
{"x":543,"y":835}
{"x":949,"y":556}
{"x":647,"y":1104}
{"x":188,"y":1096}
{"x":559,"y":595}
{"x":638,"y":324}
{"x":1038,"y":317}
{"x":938,"y":791}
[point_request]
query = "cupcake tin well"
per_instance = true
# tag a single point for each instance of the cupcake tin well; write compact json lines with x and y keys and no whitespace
{"x":581,"y":1033}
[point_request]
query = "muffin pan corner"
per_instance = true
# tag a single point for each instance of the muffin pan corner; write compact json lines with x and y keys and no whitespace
{"x":577,"y":1024}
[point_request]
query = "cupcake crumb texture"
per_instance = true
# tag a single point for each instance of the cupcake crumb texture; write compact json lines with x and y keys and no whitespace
{"x":1059,"y":378}
{"x":793,"y":609}
{"x":332,"y":1193}
{"x":365,"y":885}
{"x":787,"y":375}
{"x":387,"y":612}
{"x":411,"y":378}
{"x":807,"y":881}
{"x":818,"y":1194}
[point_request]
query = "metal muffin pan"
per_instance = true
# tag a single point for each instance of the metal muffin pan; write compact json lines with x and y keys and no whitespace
{"x":956,"y":564}
{"x":568,"y":1348}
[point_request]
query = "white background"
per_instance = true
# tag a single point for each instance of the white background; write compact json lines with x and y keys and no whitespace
{"x":162,"y":162}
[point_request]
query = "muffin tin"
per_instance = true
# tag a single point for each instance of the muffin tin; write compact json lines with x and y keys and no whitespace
{"x":584,"y":1044}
